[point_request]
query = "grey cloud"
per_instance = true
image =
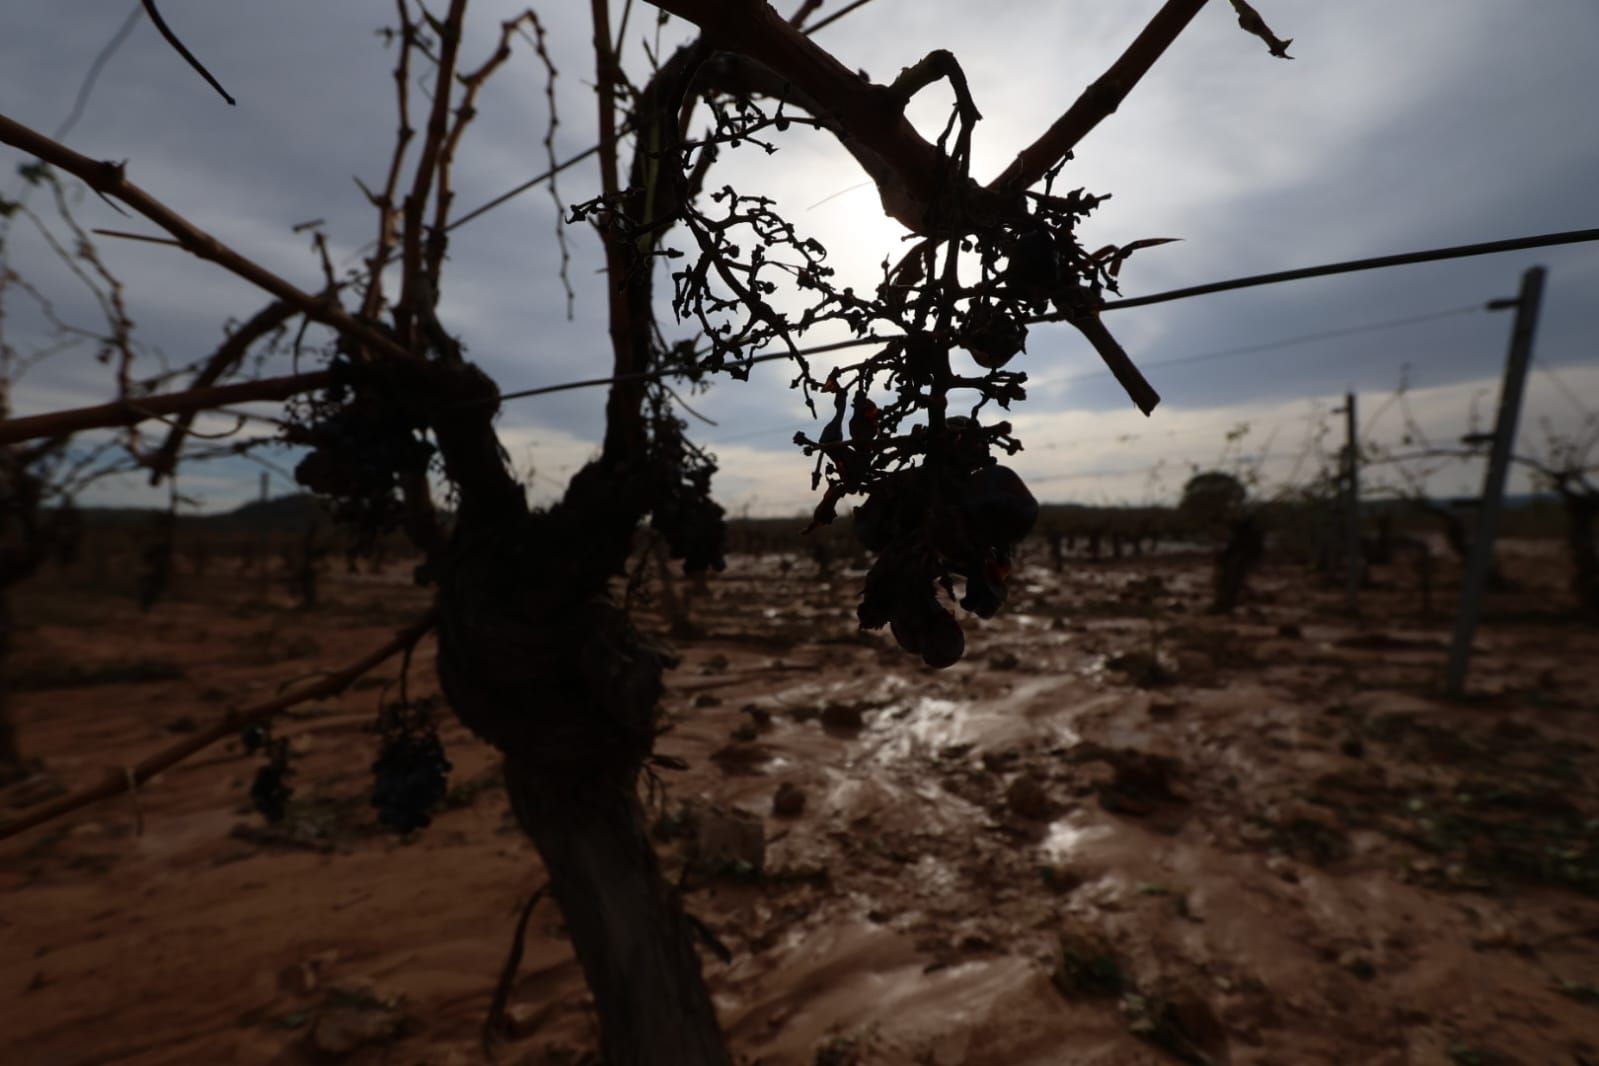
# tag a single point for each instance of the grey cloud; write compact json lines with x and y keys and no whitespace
{"x":1398,"y":126}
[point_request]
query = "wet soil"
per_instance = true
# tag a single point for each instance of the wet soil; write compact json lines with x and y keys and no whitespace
{"x":1121,"y":831}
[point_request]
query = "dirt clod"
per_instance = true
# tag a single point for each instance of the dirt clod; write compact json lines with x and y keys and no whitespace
{"x":1027,"y":798}
{"x":788,"y":801}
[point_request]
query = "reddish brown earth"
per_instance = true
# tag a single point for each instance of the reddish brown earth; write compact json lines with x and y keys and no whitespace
{"x":1274,"y":842}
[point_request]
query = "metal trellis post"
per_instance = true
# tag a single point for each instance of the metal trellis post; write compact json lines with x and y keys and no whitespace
{"x":1352,"y":553}
{"x":1493,"y":490}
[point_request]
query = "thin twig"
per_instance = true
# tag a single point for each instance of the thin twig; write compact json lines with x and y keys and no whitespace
{"x":513,"y":961}
{"x":172,"y":39}
{"x":834,"y":17}
{"x":110,"y":179}
{"x":384,"y":202}
{"x":686,"y":406}
{"x":1101,"y":98}
{"x":81,"y":101}
{"x":531,"y":183}
{"x":540,"y":45}
{"x":621,"y":411}
{"x":413,"y":278}
{"x":471,"y":84}
{"x":227,"y":356}
{"x":122,"y":779}
{"x":803,"y":12}
{"x":145,"y":237}
{"x":132,"y":412}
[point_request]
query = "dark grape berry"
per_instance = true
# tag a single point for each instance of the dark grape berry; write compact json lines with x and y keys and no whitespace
{"x":1034,"y":270}
{"x":893,"y":510}
{"x":958,"y":515}
{"x":992,"y":338}
{"x":252,"y":737}
{"x":863,"y":419}
{"x":682,"y":510}
{"x":923,"y":627}
{"x":985,"y":589}
{"x":1001,"y":508}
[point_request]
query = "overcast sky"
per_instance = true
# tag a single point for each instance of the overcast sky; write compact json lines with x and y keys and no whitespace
{"x":1399,"y":125}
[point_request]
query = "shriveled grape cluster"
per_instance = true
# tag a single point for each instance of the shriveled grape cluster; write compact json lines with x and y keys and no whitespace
{"x":908,"y":429}
{"x":682,"y":509}
{"x":932,"y":523}
{"x":364,"y":436}
{"x":410,"y":775}
{"x":270,"y":791}
{"x":911,"y":430}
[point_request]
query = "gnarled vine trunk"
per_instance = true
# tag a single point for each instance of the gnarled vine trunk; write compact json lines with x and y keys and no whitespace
{"x":537,"y":660}
{"x":633,"y":941}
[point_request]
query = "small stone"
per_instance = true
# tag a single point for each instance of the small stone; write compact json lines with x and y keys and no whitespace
{"x":522,"y":1019}
{"x":842,"y":716}
{"x":706,"y":699}
{"x":1290,"y":630}
{"x":1004,"y":660}
{"x":355,"y":1015}
{"x":1358,"y":963}
{"x":789,"y":801}
{"x":996,"y":761}
{"x":1283,"y":868}
{"x":1194,"y":664}
{"x":730,"y":840}
{"x":1027,"y":799}
{"x":300,"y":979}
{"x":1059,"y":878}
{"x":1162,"y":708}
{"x":1353,"y":747}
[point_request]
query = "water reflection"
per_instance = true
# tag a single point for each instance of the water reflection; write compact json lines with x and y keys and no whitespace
{"x":1063,"y":840}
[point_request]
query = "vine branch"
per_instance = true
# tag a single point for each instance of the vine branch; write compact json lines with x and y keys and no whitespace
{"x":110,"y":179}
{"x":122,"y":779}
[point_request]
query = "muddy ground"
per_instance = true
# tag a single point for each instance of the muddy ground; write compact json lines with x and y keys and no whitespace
{"x":1121,"y":831}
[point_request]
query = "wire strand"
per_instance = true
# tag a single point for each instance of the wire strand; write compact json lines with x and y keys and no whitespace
{"x":1286,"y":342}
{"x":1348,"y":266}
{"x":1225,"y":353}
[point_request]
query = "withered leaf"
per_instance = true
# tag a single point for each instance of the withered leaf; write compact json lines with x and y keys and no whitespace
{"x":1251,"y":21}
{"x":1112,"y":257}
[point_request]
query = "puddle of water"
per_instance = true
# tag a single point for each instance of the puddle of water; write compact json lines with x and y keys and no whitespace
{"x":927,"y":725}
{"x":839,"y":977}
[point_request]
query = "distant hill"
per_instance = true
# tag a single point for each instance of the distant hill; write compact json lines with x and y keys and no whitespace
{"x":286,"y":514}
{"x":290,"y":515}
